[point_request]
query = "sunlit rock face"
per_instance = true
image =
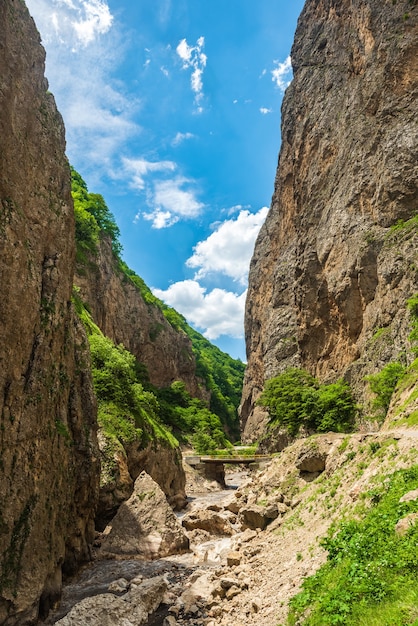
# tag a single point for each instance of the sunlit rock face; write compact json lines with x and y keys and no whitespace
{"x":49,"y":467}
{"x":331,"y":274}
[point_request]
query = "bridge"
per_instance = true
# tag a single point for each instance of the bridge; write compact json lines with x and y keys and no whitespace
{"x":213,"y":467}
{"x":236,"y":460}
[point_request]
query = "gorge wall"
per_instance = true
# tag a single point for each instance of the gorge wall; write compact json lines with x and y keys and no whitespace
{"x":336,"y":259}
{"x":123,"y":315}
{"x":49,"y":469}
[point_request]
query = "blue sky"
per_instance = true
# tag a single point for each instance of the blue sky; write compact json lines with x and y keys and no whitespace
{"x":172,"y":112}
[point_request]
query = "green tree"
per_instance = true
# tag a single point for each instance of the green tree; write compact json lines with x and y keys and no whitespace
{"x":295,"y":399}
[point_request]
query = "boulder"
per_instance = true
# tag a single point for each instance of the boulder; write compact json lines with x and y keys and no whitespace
{"x":211,"y":521}
{"x":131,"y":609}
{"x":145,"y":525}
{"x":406,"y":523}
{"x":311,"y":460}
{"x":255,"y":516}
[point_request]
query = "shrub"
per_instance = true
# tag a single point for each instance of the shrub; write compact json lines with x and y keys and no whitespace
{"x":295,"y":399}
{"x":370,"y":574}
{"x":383,"y":384}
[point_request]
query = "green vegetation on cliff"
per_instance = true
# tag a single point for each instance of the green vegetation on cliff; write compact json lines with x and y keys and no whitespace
{"x":207,"y":426}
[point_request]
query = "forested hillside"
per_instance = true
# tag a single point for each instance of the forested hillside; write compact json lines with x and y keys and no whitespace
{"x":208,"y":420}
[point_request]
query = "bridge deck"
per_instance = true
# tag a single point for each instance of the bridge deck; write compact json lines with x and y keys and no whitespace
{"x":237,"y":460}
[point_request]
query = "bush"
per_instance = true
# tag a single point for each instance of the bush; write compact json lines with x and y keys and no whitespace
{"x":383,"y":385}
{"x":371,"y":572}
{"x":295,"y":399}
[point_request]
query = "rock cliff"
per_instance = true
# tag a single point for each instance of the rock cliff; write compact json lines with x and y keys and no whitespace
{"x":336,"y":259}
{"x":122,"y":314}
{"x":48,"y":449}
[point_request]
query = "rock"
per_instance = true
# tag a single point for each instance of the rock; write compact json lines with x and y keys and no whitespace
{"x":411,"y":496}
{"x":132,"y":609}
{"x":210,"y":521}
{"x":406,"y":523}
{"x":327,"y":272}
{"x":233,"y":559}
{"x":311,"y":460}
{"x":145,"y":525}
{"x":119,"y":586}
{"x":47,"y":405}
{"x":256,"y":605}
{"x":170,"y":621}
{"x":255,"y":516}
{"x":247,"y":535}
{"x":232,"y":592}
{"x":234,"y":507}
{"x":200,"y":589}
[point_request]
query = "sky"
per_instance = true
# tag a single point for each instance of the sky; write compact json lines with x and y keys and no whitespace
{"x":172,"y":113}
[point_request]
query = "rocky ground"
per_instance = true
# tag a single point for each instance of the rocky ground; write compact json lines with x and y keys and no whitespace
{"x":250,"y":547}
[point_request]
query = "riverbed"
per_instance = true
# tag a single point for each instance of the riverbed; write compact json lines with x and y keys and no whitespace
{"x":206,"y":553}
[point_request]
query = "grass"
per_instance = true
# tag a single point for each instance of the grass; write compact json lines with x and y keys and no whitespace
{"x":371,"y":572}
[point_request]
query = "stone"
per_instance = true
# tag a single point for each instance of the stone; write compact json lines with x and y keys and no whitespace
{"x":311,"y":461}
{"x":233,"y":558}
{"x":145,"y":525}
{"x":131,"y":609}
{"x":170,"y":621}
{"x":210,"y":521}
{"x":411,"y":496}
{"x":119,"y":586}
{"x":406,"y":523}
{"x":254,"y":516}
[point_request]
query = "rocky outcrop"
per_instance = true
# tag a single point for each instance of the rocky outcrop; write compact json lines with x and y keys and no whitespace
{"x":48,"y":449}
{"x":145,"y":525}
{"x":335,"y":260}
{"x":123,"y":315}
{"x":121,"y":467}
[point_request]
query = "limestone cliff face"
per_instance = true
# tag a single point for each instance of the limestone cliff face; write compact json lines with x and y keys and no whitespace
{"x":122,"y":315}
{"x":48,"y":450}
{"x":330,"y":274}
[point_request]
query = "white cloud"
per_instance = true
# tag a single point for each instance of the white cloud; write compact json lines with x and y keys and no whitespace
{"x":194,"y":58}
{"x":159,"y":219}
{"x":77,"y":21}
{"x":83,"y":48}
{"x":265,"y":111}
{"x":172,"y":196}
{"x":229,"y":248}
{"x":282,"y":74}
{"x":169,"y":199}
{"x":217,"y":312}
{"x":139,"y":169}
{"x":181,"y":137}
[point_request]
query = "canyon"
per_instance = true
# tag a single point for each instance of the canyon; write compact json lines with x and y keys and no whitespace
{"x":333,"y":269}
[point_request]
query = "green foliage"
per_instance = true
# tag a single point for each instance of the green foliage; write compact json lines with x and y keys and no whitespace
{"x":221,"y":374}
{"x":92,"y":217}
{"x":190,"y":419}
{"x":295,"y":399}
{"x":371,"y":570}
{"x":383,"y":384}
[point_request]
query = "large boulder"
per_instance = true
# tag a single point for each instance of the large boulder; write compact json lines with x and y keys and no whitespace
{"x":145,"y":524}
{"x":107,"y":609}
{"x":213,"y":522}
